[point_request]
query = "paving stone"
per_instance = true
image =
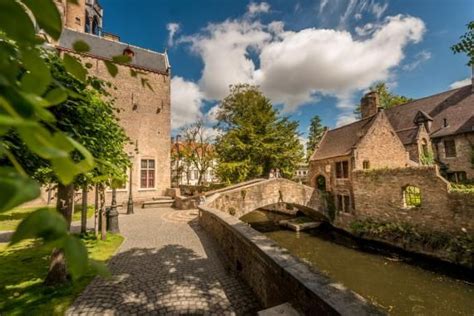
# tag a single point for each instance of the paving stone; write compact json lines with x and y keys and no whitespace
{"x":167,"y":265}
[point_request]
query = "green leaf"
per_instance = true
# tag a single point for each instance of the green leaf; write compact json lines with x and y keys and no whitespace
{"x":56,"y":96}
{"x":47,"y":16}
{"x":81,"y":47}
{"x":15,"y":22}
{"x":74,"y":67}
{"x":38,"y":77}
{"x":76,"y":256}
{"x":40,"y":141}
{"x":43,"y":223}
{"x":16,"y":189}
{"x":88,"y":162}
{"x":122,"y":59}
{"x":65,"y":169}
{"x":111,"y":68}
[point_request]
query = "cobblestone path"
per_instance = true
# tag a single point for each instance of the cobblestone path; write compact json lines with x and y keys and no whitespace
{"x":167,"y":265}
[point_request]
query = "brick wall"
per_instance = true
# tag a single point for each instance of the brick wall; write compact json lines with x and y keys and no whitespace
{"x":378,"y":194}
{"x":381,"y":147}
{"x":146,"y":117}
{"x":462,"y":162}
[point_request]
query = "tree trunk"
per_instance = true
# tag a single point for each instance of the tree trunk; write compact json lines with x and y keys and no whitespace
{"x":96,"y":212}
{"x":103,"y":219}
{"x":57,"y":273}
{"x":65,"y":202}
{"x":84,"y":210}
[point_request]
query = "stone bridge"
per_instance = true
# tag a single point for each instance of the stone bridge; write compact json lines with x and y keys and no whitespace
{"x":245,"y":199}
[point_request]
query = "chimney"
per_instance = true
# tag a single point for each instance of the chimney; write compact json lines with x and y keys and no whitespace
{"x":369,"y":104}
{"x":472,"y":78}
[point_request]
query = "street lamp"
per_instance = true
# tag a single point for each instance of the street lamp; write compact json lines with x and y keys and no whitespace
{"x":130,"y":195}
{"x":178,"y":173}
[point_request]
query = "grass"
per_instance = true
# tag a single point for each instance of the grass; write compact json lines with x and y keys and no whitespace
{"x":9,"y":220}
{"x":24,"y":267}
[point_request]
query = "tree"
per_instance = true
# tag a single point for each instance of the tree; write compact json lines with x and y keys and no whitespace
{"x":387,"y":99}
{"x":466,"y":44}
{"x":197,"y":150}
{"x":316,"y":132}
{"x":254,"y":139}
{"x":28,"y":92}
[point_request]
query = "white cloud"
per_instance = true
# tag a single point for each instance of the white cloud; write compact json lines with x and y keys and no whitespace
{"x":322,"y":5}
{"x":367,"y":29}
{"x":420,"y":58}
{"x":345,"y":118}
{"x":378,"y":9}
{"x":186,"y":102}
{"x":460,"y":83}
{"x":257,"y":8}
{"x":332,"y":62}
{"x":294,"y":68}
{"x":172,"y":28}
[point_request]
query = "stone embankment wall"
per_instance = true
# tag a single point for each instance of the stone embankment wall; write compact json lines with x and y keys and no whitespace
{"x":378,"y":194}
{"x":275,"y":275}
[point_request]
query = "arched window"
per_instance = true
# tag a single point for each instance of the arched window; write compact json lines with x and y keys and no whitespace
{"x":87,"y":26}
{"x":95,"y":26}
{"x":321,"y":183}
{"x":411,"y":196}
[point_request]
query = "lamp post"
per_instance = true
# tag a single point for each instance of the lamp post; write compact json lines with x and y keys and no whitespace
{"x":113,"y":223}
{"x":178,"y":173}
{"x":130,"y":196}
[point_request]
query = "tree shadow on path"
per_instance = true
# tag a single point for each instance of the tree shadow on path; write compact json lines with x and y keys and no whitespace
{"x":172,"y":279}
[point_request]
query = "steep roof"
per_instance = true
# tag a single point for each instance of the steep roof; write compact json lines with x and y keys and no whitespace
{"x":341,"y":140}
{"x":456,"y":106}
{"x":106,"y":49}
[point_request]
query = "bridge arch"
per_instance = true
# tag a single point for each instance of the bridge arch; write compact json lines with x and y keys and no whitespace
{"x":243,"y":200}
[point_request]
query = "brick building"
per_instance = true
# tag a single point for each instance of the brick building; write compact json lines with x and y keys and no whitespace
{"x":440,"y":126}
{"x":145,"y":112}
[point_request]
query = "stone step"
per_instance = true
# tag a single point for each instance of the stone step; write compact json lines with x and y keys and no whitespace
{"x":158,"y":203}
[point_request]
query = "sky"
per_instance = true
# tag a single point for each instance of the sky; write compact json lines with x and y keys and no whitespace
{"x":310,"y":57}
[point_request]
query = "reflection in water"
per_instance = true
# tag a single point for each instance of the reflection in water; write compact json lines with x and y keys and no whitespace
{"x":397,"y":287}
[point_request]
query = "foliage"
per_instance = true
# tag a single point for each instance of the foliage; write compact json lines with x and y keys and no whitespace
{"x":316,"y":132}
{"x":466,"y":44}
{"x":25,"y":265}
{"x":462,"y":187}
{"x":254,"y":139}
{"x":29,"y":93}
{"x":459,"y":247}
{"x":427,"y":158}
{"x":10,"y":219}
{"x":196,"y":150}
{"x":387,"y":99}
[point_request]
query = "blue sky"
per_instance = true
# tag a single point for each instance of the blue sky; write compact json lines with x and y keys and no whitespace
{"x":309,"y":57}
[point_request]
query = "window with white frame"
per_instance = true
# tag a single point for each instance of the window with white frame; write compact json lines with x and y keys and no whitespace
{"x":147,"y":173}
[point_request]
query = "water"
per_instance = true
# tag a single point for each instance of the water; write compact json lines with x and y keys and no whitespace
{"x":396,"y":287}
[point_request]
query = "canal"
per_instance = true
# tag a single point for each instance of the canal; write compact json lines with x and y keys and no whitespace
{"x":397,"y":287}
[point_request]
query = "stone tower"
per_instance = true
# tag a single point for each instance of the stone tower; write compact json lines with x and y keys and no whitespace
{"x":86,"y":16}
{"x":145,"y":112}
